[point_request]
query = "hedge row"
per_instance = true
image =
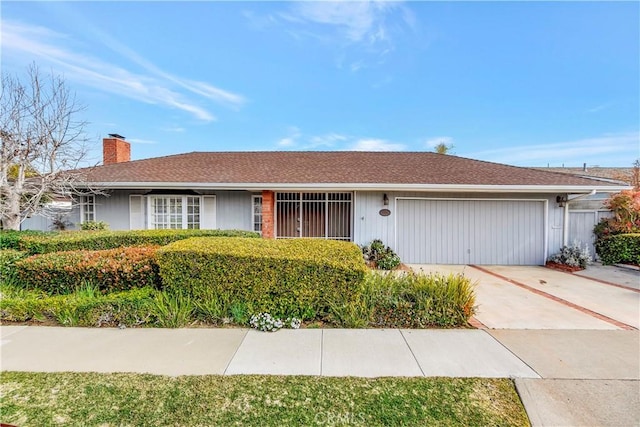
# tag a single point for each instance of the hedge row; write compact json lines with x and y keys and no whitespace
{"x":8,"y":259}
{"x":39,"y":243}
{"x":619,"y":248}
{"x":10,"y":239}
{"x":298,"y":277}
{"x":109,"y":270}
{"x":387,"y":301}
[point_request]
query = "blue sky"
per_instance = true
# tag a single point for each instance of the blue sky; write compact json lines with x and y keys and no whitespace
{"x":523,"y":83}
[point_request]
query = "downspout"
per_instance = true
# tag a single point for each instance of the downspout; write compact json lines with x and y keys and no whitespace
{"x":565,"y":229}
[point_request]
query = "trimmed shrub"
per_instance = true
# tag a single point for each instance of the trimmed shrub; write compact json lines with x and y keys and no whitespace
{"x":109,"y":270}
{"x":408,"y":300}
{"x":297,"y":277}
{"x":98,"y":240}
{"x":10,"y":239}
{"x":8,"y":259}
{"x":619,"y":248}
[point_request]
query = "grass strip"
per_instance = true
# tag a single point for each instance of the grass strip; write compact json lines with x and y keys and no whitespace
{"x":90,"y":399}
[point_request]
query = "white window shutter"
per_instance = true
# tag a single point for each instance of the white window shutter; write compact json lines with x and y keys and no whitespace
{"x":136,"y":212}
{"x":208,"y":213}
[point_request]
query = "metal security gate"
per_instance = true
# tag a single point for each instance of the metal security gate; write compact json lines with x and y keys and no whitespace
{"x":320,"y":215}
{"x":506,"y":232}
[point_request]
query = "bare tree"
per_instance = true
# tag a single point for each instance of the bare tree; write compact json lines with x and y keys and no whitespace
{"x":43,"y":143}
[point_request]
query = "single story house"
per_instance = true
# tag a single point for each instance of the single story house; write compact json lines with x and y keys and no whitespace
{"x":428,"y":207}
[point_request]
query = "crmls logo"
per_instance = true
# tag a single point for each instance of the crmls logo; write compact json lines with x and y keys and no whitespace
{"x":338,"y":418}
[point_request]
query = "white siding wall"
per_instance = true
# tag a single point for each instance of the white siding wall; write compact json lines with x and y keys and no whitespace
{"x":41,"y":223}
{"x":114,"y":209}
{"x":233,"y":211}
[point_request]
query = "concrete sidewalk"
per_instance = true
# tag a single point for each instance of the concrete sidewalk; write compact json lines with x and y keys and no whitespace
{"x":564,"y":377}
{"x":325,"y":352}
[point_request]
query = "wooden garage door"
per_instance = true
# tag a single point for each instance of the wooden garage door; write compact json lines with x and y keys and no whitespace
{"x":507,"y":232}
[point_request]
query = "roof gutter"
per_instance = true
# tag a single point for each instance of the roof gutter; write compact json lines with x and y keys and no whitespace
{"x":582,"y":196}
{"x":360,"y":186}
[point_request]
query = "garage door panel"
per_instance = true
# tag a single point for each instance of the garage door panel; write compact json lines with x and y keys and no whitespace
{"x":470,"y":231}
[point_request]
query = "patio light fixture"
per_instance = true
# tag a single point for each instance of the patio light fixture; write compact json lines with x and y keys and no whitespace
{"x":561,"y":200}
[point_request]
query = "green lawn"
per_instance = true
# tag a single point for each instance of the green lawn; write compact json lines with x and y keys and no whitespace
{"x":39,"y":399}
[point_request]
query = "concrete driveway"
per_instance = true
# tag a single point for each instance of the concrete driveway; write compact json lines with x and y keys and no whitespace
{"x":531,"y":297}
{"x":569,"y":329}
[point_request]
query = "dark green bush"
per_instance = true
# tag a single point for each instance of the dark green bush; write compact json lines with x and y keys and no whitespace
{"x":8,"y":259}
{"x":97,"y":240}
{"x":10,"y":239}
{"x":297,"y":277}
{"x":619,"y":248}
{"x":380,"y":256}
{"x":407,"y":300}
{"x":109,"y":270}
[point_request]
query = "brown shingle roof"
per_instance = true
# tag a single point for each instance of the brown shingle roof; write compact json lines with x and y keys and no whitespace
{"x":315,"y":167}
{"x":617,"y":174}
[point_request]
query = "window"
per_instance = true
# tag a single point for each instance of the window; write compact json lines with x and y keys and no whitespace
{"x":87,"y":208}
{"x":193,"y":212}
{"x":174,"y":212}
{"x":257,"y":214}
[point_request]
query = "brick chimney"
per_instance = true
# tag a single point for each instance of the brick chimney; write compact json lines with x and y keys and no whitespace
{"x":115,"y":149}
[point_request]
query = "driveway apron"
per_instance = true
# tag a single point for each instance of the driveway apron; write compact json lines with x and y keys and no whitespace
{"x":616,"y":303}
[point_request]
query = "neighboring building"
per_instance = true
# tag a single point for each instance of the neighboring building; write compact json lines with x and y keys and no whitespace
{"x":615,"y":174}
{"x":430,"y":208}
{"x":586,"y":212}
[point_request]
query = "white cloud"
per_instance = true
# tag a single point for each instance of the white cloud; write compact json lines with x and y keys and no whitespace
{"x":141,"y":141}
{"x":376,"y":145}
{"x":287,"y":142}
{"x":608,"y":149}
{"x":290,"y":140}
{"x":335,"y":141}
{"x":154,"y":87}
{"x":357,"y":21}
{"x":361,"y":29}
{"x":435,"y":141}
{"x":328,"y":140}
{"x":600,"y":107}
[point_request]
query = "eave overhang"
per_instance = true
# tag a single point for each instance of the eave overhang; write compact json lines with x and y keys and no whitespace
{"x":256,"y":187}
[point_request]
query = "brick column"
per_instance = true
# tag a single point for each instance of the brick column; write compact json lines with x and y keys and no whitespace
{"x":268,"y":208}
